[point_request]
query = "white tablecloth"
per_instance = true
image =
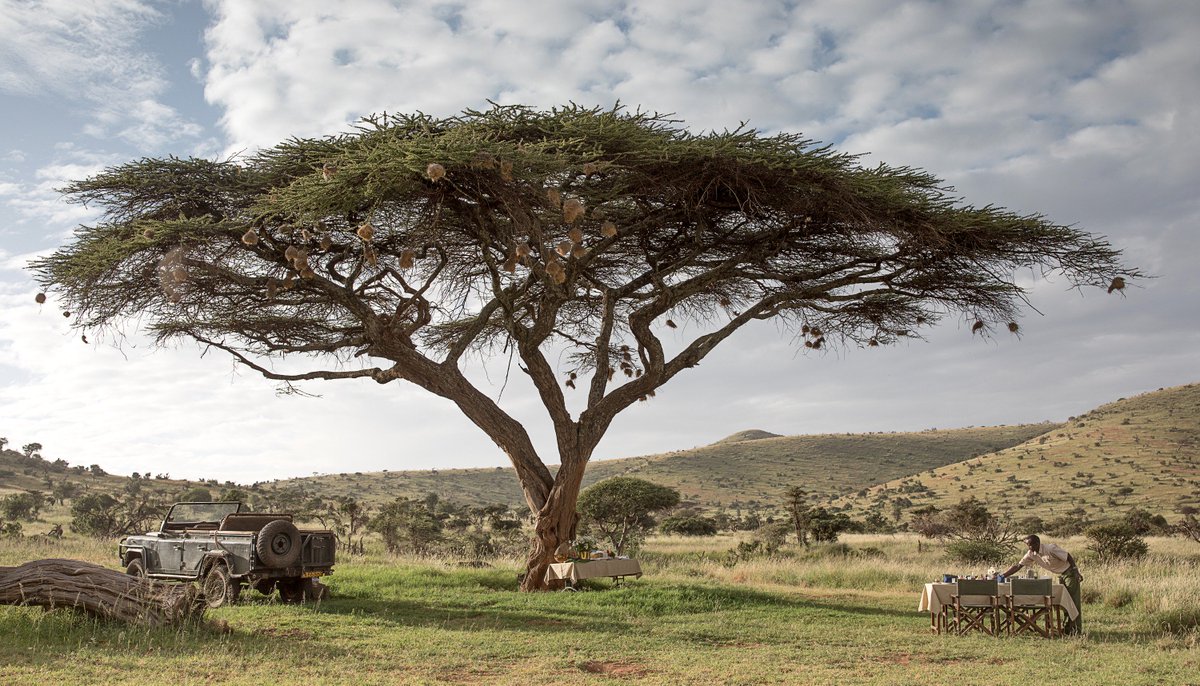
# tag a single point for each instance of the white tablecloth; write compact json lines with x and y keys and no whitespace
{"x":574,"y":571}
{"x":934,"y":596}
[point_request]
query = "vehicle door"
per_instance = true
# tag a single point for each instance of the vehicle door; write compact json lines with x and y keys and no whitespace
{"x":169,"y":553}
{"x":195,"y":545}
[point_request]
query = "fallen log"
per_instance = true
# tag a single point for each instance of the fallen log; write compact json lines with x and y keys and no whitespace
{"x":99,"y":591}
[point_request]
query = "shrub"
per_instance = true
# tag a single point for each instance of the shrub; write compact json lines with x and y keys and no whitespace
{"x":25,"y":506}
{"x":688,"y":525}
{"x":979,"y":551}
{"x":1111,"y":542}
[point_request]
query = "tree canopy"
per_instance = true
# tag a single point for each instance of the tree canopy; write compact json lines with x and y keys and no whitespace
{"x":397,"y":249}
{"x":621,"y":508}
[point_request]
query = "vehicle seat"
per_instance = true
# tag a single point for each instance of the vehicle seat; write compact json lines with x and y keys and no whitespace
{"x":249,"y":521}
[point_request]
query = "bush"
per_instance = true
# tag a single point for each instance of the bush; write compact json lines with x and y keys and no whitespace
{"x":1120,"y":598}
{"x":1112,"y":542}
{"x":689,"y":525}
{"x":979,"y":551}
{"x":1065,"y":527}
{"x":25,"y":506}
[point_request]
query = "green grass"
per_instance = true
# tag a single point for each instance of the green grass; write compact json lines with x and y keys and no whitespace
{"x":693,"y":619}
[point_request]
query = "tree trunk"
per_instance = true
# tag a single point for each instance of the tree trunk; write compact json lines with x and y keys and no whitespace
{"x":555,"y":525}
{"x":99,"y":591}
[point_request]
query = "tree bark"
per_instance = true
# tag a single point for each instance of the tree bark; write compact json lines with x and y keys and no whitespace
{"x":100,"y":592}
{"x":555,"y":524}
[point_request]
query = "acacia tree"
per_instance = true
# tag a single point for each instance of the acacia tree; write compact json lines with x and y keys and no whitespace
{"x":397,"y":250}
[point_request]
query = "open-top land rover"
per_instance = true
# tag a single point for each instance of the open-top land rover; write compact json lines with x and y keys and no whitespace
{"x":224,"y":547}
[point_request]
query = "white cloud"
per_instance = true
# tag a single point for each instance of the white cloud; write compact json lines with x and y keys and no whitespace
{"x":1087,"y":112}
{"x":88,"y":52}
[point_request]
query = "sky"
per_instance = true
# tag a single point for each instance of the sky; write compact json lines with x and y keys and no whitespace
{"x":1085,"y":111}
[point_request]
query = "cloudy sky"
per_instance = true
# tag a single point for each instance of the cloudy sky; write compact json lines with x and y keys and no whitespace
{"x":1086,"y":111}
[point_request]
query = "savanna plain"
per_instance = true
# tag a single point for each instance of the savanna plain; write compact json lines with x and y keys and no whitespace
{"x":843,"y":613}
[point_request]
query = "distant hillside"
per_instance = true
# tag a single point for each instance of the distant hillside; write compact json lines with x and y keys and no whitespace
{"x":749,"y":435}
{"x":744,"y":473}
{"x":1142,"y":451}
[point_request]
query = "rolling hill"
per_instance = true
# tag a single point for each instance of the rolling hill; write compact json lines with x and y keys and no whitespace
{"x":1142,"y":451}
{"x":748,"y":469}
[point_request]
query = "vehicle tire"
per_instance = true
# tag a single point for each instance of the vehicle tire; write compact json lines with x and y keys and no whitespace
{"x":136,"y":568}
{"x":278,"y":544}
{"x":218,"y":588}
{"x":291,"y":591}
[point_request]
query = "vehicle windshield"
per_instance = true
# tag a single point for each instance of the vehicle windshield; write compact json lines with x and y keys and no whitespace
{"x":201,"y":512}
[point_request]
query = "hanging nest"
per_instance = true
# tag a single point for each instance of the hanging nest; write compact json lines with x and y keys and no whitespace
{"x":328,"y":171}
{"x":506,"y":170}
{"x":573,"y":210}
{"x":672,"y":324}
{"x":874,"y":343}
{"x":522,"y":249}
{"x":590,"y":168}
{"x":564,"y":248}
{"x":484,"y":160}
{"x":1013,"y":327}
{"x":579,"y":252}
{"x":435,"y":172}
{"x":406,"y":258}
{"x":977,"y":326}
{"x":366,"y":232}
{"x":575,"y":234}
{"x":1118,"y":284}
{"x":326,"y":243}
{"x":40,"y":298}
{"x":555,"y":197}
{"x":608,"y":229}
{"x":250,"y":237}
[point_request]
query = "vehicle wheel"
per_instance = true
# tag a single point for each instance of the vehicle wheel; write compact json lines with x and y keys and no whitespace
{"x":278,"y":544}
{"x":136,"y":568}
{"x":218,"y":587}
{"x":291,"y":591}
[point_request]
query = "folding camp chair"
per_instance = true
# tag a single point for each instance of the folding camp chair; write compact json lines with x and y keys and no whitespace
{"x":977,"y":607}
{"x":1031,"y":608}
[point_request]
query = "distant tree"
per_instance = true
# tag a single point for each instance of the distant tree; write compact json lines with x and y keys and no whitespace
{"x":24,"y":506}
{"x":620,"y":509}
{"x":876,"y":523}
{"x":688,"y":525}
{"x":194,"y":495}
{"x":928,"y":522}
{"x":233,"y":495}
{"x":31,"y":449}
{"x":100,"y":515}
{"x":97,"y":471}
{"x":3,"y":444}
{"x":1144,"y":523}
{"x":1031,"y":524}
{"x":413,"y":242}
{"x":1114,"y":542}
{"x":63,"y":491}
{"x":826,"y":526}
{"x":801,"y":512}
{"x":407,"y":526}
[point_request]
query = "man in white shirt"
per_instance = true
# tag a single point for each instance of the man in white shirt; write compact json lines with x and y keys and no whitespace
{"x":1057,"y":561}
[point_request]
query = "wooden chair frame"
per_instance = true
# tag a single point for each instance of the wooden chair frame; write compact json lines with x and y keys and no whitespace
{"x":1037,"y":618}
{"x":975,"y":613}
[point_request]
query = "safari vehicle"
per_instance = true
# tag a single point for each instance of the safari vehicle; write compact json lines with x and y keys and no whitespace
{"x":224,"y":546}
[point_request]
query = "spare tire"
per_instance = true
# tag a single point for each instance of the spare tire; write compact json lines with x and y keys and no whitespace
{"x":278,"y":544}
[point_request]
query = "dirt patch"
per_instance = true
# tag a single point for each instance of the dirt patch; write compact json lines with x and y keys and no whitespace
{"x":617,"y":669}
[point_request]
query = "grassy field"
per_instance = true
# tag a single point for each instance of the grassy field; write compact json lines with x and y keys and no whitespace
{"x":814,"y":617}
